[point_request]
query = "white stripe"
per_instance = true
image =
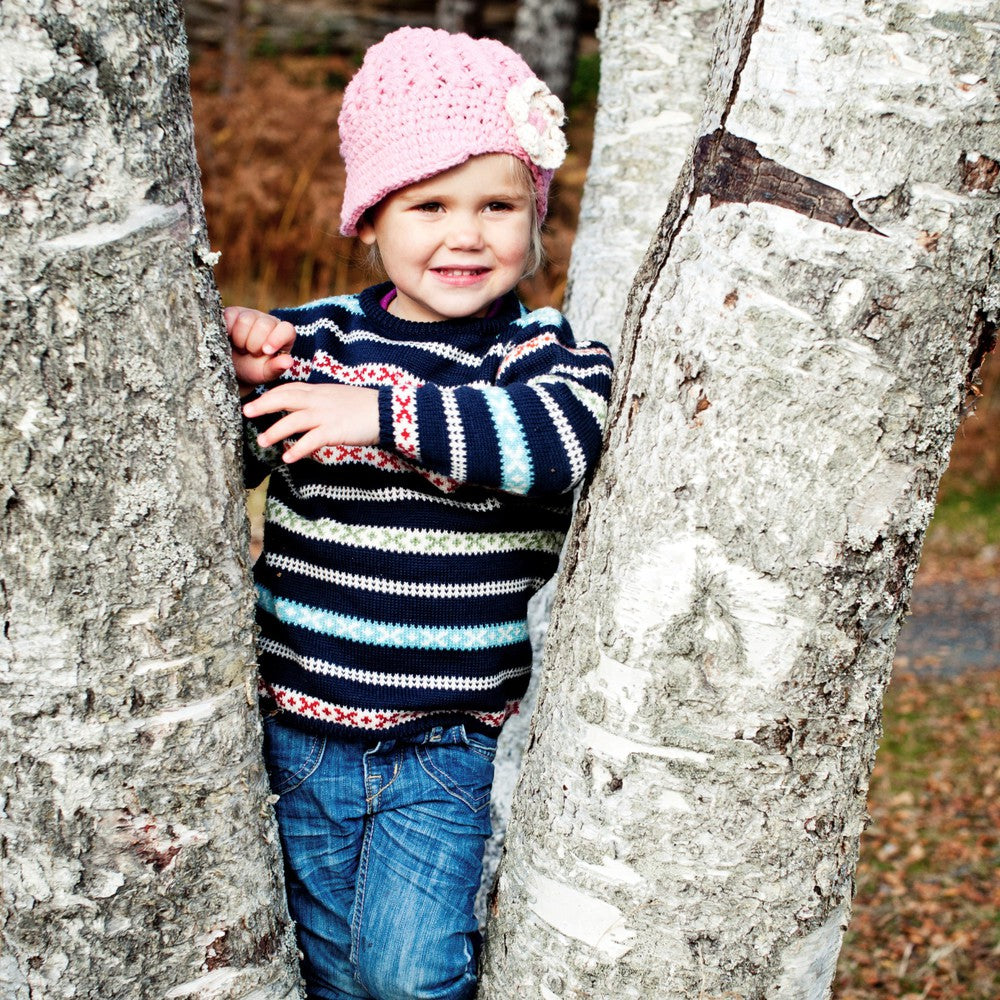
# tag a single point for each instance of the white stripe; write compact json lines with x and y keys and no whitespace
{"x":418,"y":681}
{"x":407,"y":588}
{"x":389,"y":494}
{"x":456,"y":435}
{"x":437,"y":348}
{"x":593,"y":401}
{"x":571,"y":445}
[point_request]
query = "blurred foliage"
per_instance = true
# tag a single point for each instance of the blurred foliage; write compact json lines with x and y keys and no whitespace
{"x":586,"y":80}
{"x":966,"y":520}
{"x":272,"y":177}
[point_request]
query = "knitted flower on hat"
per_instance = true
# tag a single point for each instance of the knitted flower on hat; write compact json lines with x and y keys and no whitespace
{"x":425,"y":100}
{"x":538,"y":115}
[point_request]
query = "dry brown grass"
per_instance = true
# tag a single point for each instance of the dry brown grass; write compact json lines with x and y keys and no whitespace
{"x":272,"y":177}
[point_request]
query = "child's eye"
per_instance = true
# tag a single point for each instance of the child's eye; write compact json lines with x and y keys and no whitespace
{"x":499,"y":206}
{"x":429,"y":206}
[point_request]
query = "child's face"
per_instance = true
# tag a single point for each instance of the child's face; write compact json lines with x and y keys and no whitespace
{"x":455,"y":242}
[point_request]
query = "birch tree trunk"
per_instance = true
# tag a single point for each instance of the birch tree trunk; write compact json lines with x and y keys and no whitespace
{"x":798,"y":347}
{"x":655,"y":60}
{"x":546,"y":33}
{"x":138,"y":856}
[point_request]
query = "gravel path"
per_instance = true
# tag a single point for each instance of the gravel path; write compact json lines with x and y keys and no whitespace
{"x":953,"y":626}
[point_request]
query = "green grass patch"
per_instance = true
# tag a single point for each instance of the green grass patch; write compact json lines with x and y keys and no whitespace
{"x":966,"y":521}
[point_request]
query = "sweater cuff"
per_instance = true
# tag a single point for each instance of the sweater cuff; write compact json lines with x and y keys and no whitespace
{"x":397,"y":420}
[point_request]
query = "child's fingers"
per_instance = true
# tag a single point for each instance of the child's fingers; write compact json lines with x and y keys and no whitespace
{"x":273,"y":368}
{"x":279,"y":338}
{"x":239,"y":323}
{"x":231,"y":315}
{"x":271,"y":401}
{"x":258,"y":333}
{"x":296,"y":422}
{"x":326,"y":414}
{"x":261,"y":338}
{"x":305,"y":446}
{"x":290,"y":396}
{"x":250,"y":370}
{"x":260,"y":330}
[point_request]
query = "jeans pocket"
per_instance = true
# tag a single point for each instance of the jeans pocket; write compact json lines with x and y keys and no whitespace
{"x":463,"y":769}
{"x":485,"y":746}
{"x":290,"y":755}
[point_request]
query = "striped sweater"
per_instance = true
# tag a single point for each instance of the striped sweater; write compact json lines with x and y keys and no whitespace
{"x":393,"y":586}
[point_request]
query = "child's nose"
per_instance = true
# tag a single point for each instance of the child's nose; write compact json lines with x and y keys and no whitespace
{"x":464,"y":233}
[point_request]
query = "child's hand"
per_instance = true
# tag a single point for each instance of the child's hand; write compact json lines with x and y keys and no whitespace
{"x":322,"y":414}
{"x":260,"y":345}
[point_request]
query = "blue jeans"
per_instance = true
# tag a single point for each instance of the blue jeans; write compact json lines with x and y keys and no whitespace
{"x":383,"y":849}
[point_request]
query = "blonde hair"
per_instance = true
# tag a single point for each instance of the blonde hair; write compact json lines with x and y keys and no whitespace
{"x":521,"y":175}
{"x":536,"y":250}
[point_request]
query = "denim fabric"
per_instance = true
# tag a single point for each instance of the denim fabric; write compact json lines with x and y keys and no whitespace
{"x":383,"y":848}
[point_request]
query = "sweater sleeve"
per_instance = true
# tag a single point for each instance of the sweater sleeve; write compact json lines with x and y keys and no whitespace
{"x":536,"y":430}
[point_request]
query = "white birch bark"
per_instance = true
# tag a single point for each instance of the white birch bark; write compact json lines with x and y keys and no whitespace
{"x":138,"y":855}
{"x":655,"y":60}
{"x":689,"y":812}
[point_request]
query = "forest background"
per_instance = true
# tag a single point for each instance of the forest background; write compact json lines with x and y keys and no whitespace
{"x":926,"y":918}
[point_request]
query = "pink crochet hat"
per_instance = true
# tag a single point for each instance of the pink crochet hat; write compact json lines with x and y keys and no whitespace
{"x":425,"y":100}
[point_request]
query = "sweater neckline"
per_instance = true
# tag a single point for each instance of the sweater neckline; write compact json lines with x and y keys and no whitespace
{"x":371,"y":302}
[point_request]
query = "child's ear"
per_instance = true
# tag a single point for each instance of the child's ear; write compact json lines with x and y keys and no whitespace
{"x":366,"y":231}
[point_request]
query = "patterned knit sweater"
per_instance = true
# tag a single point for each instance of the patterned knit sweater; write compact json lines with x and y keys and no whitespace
{"x":393,"y":586}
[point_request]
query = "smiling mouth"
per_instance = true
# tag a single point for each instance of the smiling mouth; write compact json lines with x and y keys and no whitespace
{"x":460,"y":272}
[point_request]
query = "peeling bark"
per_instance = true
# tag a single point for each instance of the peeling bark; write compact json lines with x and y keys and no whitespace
{"x":689,"y":812}
{"x":731,"y":169}
{"x":138,"y":855}
{"x":979,"y":173}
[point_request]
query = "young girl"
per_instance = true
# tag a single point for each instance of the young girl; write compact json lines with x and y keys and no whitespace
{"x":423,"y":442}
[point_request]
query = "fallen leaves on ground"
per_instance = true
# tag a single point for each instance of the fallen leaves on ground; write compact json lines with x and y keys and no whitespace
{"x":926,"y":922}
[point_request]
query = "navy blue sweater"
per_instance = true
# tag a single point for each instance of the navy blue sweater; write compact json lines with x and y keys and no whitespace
{"x":394,"y":581}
